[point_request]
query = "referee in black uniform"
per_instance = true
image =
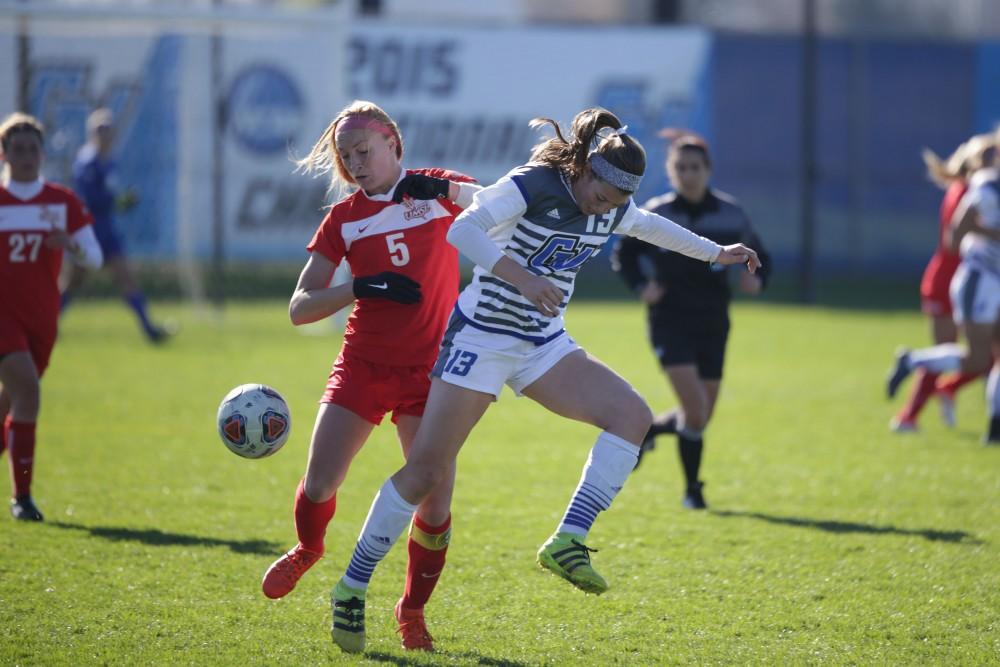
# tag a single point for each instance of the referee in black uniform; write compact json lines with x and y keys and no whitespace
{"x":688,"y":300}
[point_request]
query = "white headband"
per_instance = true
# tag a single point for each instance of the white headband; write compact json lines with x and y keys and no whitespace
{"x":608,"y":172}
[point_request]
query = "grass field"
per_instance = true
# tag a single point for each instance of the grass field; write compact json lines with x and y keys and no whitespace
{"x":829,"y":541}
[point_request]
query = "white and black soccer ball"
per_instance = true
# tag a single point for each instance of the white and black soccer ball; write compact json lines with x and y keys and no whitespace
{"x":254,"y":421}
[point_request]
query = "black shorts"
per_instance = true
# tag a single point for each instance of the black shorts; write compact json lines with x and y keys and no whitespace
{"x":690,"y":339}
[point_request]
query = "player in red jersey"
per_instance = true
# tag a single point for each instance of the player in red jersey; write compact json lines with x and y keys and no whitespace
{"x":39,"y":221}
{"x":392,"y":231}
{"x":952,"y":176}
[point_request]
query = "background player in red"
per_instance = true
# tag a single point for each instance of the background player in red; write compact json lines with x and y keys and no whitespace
{"x":38,"y":222}
{"x":952,"y":175}
{"x":392,"y":231}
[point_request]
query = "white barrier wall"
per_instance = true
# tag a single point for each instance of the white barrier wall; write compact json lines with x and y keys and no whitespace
{"x":463,"y":97}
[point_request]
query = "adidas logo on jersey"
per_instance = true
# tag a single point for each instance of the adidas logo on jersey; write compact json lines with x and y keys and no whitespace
{"x":554,"y":214}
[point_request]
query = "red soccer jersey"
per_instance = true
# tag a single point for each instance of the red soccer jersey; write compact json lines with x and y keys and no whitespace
{"x":937,"y":276}
{"x":377,"y":235}
{"x":29,"y":271}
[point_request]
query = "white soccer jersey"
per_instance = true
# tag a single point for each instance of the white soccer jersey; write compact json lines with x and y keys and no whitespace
{"x":538,"y":224}
{"x":977,"y":250}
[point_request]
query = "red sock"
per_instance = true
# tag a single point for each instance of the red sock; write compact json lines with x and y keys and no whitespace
{"x":21,"y":442}
{"x":6,"y":429}
{"x":311,"y":519}
{"x":427,"y":547}
{"x":923,"y":389}
{"x":956,"y":381}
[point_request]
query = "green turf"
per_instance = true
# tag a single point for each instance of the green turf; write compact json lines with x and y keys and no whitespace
{"x":830,"y":540}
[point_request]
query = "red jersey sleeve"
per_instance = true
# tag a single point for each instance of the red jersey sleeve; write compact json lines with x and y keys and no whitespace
{"x":328,"y":240}
{"x":437,"y":172}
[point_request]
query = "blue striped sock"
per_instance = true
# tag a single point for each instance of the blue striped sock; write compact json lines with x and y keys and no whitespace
{"x":610,"y":462}
{"x":387,"y":518}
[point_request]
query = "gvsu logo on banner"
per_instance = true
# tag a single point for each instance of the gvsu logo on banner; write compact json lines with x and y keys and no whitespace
{"x":265,"y":109}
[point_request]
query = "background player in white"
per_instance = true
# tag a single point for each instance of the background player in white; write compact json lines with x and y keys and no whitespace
{"x":952,"y":175}
{"x":528,"y":235}
{"x":975,"y":297}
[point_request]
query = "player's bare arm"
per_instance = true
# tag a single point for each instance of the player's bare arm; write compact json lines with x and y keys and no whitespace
{"x":313,"y":298}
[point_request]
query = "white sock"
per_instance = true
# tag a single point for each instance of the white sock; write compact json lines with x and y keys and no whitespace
{"x":993,"y":392}
{"x":387,"y":518}
{"x":938,"y":359}
{"x":608,"y":466}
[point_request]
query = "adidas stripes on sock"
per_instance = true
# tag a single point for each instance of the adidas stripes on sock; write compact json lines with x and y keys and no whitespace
{"x":387,"y":518}
{"x":608,"y":466}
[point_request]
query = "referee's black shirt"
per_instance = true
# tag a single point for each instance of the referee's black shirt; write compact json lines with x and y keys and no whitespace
{"x":692,"y":287}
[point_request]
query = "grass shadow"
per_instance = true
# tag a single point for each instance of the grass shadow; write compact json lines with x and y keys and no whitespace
{"x":434,"y":658}
{"x":834,"y":526}
{"x":158,"y":538}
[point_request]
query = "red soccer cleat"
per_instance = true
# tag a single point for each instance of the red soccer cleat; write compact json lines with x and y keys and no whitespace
{"x":284,"y":573}
{"x":412,"y":628}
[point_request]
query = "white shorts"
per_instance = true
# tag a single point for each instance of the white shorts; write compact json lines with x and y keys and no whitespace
{"x":485,"y":361}
{"x":975,"y":295}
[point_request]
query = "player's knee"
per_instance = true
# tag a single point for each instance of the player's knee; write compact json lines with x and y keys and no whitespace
{"x":25,"y":404}
{"x":319,"y":488}
{"x":424,"y":476}
{"x":696,"y":419}
{"x":434,"y":512}
{"x":629,"y":416}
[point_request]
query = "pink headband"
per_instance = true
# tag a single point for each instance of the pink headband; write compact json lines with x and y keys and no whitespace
{"x":359,"y":122}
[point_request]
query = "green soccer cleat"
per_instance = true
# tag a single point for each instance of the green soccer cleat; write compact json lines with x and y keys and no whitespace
{"x":348,"y":629}
{"x":567,"y":557}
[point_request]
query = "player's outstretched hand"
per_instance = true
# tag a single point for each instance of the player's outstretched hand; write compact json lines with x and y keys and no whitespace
{"x":419,"y":186}
{"x":739,"y":254}
{"x":388,"y":285}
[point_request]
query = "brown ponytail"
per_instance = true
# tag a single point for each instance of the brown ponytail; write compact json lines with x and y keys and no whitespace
{"x":571,"y":155}
{"x":967,"y":158}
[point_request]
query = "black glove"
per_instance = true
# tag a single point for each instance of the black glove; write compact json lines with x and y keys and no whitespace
{"x":419,"y":186}
{"x":387,"y":285}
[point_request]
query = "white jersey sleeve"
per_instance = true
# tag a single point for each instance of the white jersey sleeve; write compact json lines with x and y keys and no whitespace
{"x":983,"y":196}
{"x":665,"y":233}
{"x":978,"y":250}
{"x":466,"y":193}
{"x":89,"y":255}
{"x":491,"y":207}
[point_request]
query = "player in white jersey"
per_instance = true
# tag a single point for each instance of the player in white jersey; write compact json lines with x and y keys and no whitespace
{"x":975,"y":296}
{"x":529,"y":234}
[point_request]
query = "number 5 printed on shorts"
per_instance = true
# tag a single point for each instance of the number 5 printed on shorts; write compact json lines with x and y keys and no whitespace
{"x":460,"y":362}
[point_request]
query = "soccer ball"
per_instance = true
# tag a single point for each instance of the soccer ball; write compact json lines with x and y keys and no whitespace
{"x":254,"y":421}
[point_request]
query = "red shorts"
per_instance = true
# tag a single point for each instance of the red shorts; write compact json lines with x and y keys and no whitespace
{"x":370,"y":390}
{"x":16,"y":336}
{"x":934,"y":297}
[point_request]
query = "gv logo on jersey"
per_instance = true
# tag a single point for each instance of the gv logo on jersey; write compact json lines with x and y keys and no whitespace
{"x":562,"y":253}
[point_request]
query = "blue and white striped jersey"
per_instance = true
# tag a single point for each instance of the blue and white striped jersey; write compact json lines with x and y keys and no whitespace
{"x":978,"y":250}
{"x":537,"y":223}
